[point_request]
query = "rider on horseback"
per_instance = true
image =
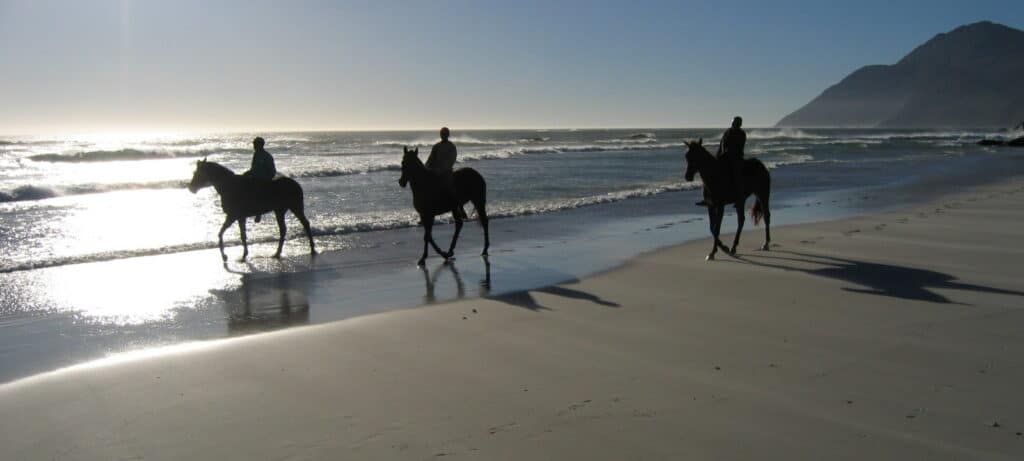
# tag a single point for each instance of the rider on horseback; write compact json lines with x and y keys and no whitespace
{"x":442,"y":161}
{"x":262,"y":168}
{"x":730,"y":149}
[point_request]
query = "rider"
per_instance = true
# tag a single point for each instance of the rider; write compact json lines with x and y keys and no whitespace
{"x":262,"y":168}
{"x":442,"y":161}
{"x":731,"y":150}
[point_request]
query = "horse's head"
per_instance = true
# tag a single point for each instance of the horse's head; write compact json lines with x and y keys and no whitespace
{"x":200,"y":178}
{"x":409,"y":158}
{"x":694,"y":152}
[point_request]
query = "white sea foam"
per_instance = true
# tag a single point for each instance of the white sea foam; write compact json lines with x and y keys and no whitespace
{"x":366,"y":222}
{"x":781,"y":133}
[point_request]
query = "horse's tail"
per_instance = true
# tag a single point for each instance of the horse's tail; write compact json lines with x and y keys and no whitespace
{"x":480,"y":204}
{"x":292,"y":192}
{"x":761,"y":184}
{"x":473,"y":188}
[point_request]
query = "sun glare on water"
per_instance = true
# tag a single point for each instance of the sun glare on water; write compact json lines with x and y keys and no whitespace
{"x":159,"y":225}
{"x":137,"y":290}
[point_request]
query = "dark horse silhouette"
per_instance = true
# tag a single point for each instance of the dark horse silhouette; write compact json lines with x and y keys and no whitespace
{"x":241,"y":197}
{"x":429,"y":199}
{"x":718,"y":192}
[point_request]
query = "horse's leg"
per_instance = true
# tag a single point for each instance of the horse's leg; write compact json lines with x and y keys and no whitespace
{"x":228,"y":221}
{"x":455,"y":236}
{"x":430,"y":239}
{"x":245,"y":245}
{"x":282,"y":228}
{"x":767,"y":221}
{"x":739,"y":225}
{"x":714,"y":231}
{"x":481,"y":210}
{"x":299,"y":213}
{"x":428,"y":225}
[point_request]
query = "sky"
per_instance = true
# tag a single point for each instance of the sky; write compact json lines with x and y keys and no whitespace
{"x":138,"y":66}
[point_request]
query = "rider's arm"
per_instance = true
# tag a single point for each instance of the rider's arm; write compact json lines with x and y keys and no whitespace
{"x":271,"y":168}
{"x":431,"y":157}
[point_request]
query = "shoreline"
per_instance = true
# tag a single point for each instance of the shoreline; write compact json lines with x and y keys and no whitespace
{"x":884,"y":335}
{"x":209,"y":301}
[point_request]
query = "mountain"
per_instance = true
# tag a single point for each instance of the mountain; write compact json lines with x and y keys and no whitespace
{"x":972,"y":77}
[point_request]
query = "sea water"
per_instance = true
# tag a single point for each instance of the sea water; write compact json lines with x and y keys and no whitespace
{"x":104,"y":249}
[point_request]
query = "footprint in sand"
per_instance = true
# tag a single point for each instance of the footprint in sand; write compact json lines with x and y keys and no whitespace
{"x":574,"y":407}
{"x":502,"y":428}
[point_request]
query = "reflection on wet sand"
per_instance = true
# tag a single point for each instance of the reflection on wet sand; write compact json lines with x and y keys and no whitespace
{"x":430,"y":281}
{"x":265,"y":301}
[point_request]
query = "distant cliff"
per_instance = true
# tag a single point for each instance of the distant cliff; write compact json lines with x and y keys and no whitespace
{"x":970,"y":77}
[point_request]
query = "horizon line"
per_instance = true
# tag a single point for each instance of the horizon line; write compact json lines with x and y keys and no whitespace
{"x":144,"y":131}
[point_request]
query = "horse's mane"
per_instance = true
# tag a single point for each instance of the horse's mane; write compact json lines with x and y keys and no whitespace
{"x":218,"y":168}
{"x":700,"y":148}
{"x":418,"y":161}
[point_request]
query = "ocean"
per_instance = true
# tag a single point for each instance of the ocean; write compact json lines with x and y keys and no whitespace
{"x":104,"y":251}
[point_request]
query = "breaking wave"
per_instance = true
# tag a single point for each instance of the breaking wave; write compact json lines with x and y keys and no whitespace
{"x":782,"y":133}
{"x":125,"y":154}
{"x":32,"y":192}
{"x":366,"y":223}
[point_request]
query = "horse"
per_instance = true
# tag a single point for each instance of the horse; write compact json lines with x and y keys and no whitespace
{"x":241,"y":197}
{"x":718,"y":192}
{"x":429,"y":199}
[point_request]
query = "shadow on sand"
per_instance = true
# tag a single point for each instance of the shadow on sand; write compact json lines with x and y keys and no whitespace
{"x":877,"y":279}
{"x":526,"y":300}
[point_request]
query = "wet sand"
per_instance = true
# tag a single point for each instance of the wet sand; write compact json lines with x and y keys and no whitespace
{"x":891,"y":336}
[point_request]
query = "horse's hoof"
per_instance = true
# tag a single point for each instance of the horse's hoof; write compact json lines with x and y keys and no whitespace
{"x":421,"y":262}
{"x":276,"y":256}
{"x":710,"y":258}
{"x":764,"y":247}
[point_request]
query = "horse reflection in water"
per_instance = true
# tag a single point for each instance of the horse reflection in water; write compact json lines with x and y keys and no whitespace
{"x":265,"y":302}
{"x":431,"y":277}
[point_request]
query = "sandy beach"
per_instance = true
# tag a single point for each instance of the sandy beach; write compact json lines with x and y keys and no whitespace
{"x":890,"y":336}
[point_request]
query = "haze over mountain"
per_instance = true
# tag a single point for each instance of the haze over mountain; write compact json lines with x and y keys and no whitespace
{"x":971,"y":77}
